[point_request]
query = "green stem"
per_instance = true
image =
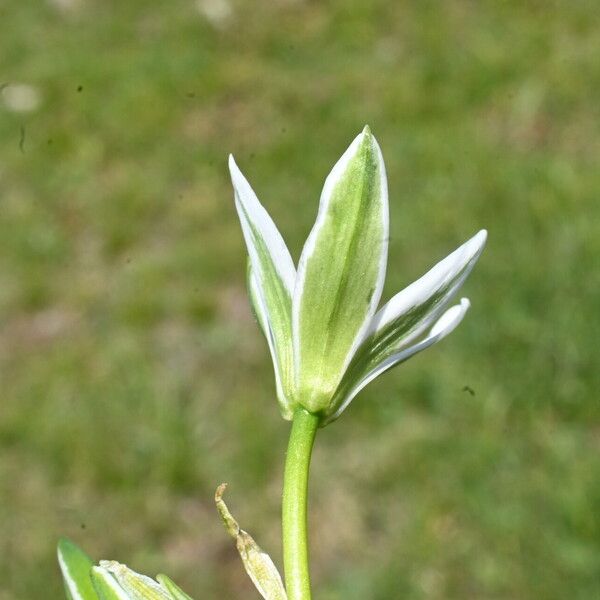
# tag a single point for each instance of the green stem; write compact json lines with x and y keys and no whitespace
{"x":295,"y":498}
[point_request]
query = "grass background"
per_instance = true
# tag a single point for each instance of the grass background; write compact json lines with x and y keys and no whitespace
{"x":133,"y":377}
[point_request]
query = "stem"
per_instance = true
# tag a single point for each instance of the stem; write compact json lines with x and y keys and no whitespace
{"x":295,"y":497}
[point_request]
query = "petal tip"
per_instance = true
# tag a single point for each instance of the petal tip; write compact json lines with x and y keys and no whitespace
{"x":479,"y":238}
{"x":474,"y":246}
{"x":450,"y":319}
{"x":364,"y":139}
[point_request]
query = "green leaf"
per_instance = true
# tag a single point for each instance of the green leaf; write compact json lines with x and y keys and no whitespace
{"x":106,"y":585}
{"x":341,"y":271}
{"x":176,"y":592}
{"x":258,"y":564}
{"x":272,"y":280}
{"x":75,"y":566}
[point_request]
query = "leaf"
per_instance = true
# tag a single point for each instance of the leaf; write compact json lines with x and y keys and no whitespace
{"x":273,"y":278}
{"x":176,"y":592}
{"x":106,"y":585}
{"x":258,"y":564}
{"x":75,"y":566}
{"x":341,"y":271}
{"x":442,"y":327}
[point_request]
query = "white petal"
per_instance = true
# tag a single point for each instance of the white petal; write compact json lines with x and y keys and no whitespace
{"x":442,"y":327}
{"x":450,"y":320}
{"x":341,"y":271}
{"x":272,"y":281}
{"x":451,"y":272}
{"x":265,"y":325}
{"x":135,"y":585}
{"x":251,"y":210}
{"x":408,"y":315}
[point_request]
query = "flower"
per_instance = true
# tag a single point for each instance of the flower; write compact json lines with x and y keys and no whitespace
{"x":111,"y":580}
{"x":326,"y":337}
{"x":115,"y":578}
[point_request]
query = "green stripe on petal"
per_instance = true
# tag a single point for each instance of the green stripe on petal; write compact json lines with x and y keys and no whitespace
{"x":341,"y":271}
{"x":260,"y":313}
{"x":106,"y":585}
{"x":273,"y":278}
{"x":413,"y":309}
{"x":409,"y":313}
{"x":258,"y":310}
{"x":442,"y":327}
{"x":176,"y":592}
{"x":135,"y":585}
{"x":75,"y":566}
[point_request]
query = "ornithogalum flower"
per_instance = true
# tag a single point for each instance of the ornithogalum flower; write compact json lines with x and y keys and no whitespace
{"x":110,"y":580}
{"x":326,"y":337}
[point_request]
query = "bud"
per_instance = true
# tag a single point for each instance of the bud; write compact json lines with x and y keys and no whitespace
{"x":111,"y":580}
{"x":326,"y":338}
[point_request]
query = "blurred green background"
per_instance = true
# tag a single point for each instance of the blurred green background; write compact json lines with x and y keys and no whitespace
{"x":133,"y":377}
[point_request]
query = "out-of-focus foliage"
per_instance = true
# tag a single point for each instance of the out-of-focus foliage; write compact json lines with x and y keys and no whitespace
{"x":133,"y":376}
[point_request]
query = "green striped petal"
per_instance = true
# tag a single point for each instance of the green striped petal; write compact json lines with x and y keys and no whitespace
{"x":258,"y":309}
{"x":176,"y":592}
{"x":106,"y":585}
{"x":408,"y":314}
{"x":271,"y":282}
{"x":75,"y":566}
{"x":341,"y":272}
{"x":135,"y":585}
{"x":260,"y":312}
{"x":442,"y":327}
{"x":413,"y":309}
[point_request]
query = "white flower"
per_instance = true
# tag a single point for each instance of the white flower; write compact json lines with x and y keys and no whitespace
{"x":326,"y":337}
{"x":111,"y":580}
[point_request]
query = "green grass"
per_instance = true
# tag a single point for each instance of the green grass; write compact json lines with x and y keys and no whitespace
{"x":134,"y":379}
